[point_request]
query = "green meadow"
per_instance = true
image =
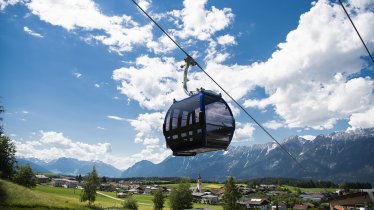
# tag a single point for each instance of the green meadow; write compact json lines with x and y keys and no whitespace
{"x":13,"y":196}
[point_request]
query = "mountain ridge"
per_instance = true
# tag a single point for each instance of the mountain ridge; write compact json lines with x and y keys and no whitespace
{"x":339,"y":156}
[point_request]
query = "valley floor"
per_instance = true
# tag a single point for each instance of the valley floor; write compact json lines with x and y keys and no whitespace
{"x":13,"y":196}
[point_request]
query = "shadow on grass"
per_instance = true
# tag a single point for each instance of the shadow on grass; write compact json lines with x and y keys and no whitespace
{"x":3,"y":194}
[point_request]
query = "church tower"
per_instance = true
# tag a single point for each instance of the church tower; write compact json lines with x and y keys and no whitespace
{"x":198,"y":188}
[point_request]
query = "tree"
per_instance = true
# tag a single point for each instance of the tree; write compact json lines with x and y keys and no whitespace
{"x":231,"y":195}
{"x":7,"y":154}
{"x":79,"y":179}
{"x":130,"y":203}
{"x":158,"y":200}
{"x":181,"y":197}
{"x":25,"y":176}
{"x":91,"y":182}
{"x":103,"y":180}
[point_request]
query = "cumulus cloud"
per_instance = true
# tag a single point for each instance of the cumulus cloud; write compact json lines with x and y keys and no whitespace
{"x":5,"y":3}
{"x":120,"y":33}
{"x":272,"y":124}
{"x":308,"y":79}
{"x":153,"y":82}
{"x":226,"y":40}
{"x":199,"y":22}
{"x":363,"y":119}
{"x":145,"y":4}
{"x":243,"y":132}
{"x":148,"y":127}
{"x":53,"y":145}
{"x":32,"y":33}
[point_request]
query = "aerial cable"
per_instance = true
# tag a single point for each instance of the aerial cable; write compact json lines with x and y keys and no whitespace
{"x":237,"y":103}
{"x":367,"y":49}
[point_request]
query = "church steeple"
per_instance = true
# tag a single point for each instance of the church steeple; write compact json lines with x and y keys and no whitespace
{"x":198,"y":188}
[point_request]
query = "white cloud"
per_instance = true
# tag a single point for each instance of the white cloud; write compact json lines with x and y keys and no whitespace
{"x":5,"y":3}
{"x":96,"y":85}
{"x":120,"y":33}
{"x":162,"y":45}
{"x":308,"y":79}
{"x":243,"y":132}
{"x":272,"y":124}
{"x":226,"y":40}
{"x":153,"y":82}
{"x":32,"y":33}
{"x":53,"y":145}
{"x":145,"y":4}
{"x":77,"y":74}
{"x":113,"y":117}
{"x":199,"y":22}
{"x":148,"y":127}
{"x":363,"y":119}
{"x":100,"y":128}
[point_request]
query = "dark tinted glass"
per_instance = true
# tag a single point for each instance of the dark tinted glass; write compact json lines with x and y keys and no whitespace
{"x":217,"y":112}
{"x":219,"y":121}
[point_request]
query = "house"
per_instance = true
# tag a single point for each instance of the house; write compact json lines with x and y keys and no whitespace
{"x":281,"y":206}
{"x":301,"y":207}
{"x":312,"y":196}
{"x":107,"y":187}
{"x":70,"y":183}
{"x":58,"y":182}
{"x":121,"y":194}
{"x":209,"y":199}
{"x":41,"y":179}
{"x":254,"y":203}
{"x":137,"y":190}
{"x":64,"y":183}
{"x":359,"y":200}
{"x":149,"y":190}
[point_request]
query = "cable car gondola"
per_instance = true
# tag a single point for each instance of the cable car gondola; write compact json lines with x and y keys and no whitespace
{"x":200,"y":123}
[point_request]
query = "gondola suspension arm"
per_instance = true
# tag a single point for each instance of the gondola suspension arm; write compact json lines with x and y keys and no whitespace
{"x":189,"y":61}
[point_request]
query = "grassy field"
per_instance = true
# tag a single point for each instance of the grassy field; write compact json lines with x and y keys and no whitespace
{"x":309,"y":190}
{"x":47,"y":197}
{"x":15,"y":196}
{"x":145,"y":202}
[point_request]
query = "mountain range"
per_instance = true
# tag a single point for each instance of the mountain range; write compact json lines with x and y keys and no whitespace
{"x":340,"y":156}
{"x":70,"y":166}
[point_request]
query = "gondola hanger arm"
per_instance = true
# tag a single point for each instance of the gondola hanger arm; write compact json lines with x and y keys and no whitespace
{"x":189,"y":61}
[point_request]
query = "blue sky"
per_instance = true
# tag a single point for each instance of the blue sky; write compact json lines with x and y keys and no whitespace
{"x":92,"y":79}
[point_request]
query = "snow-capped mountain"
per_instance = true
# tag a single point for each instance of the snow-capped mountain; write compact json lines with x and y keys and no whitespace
{"x":340,"y":156}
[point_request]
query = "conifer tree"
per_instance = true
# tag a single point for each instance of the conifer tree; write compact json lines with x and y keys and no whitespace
{"x":158,"y":200}
{"x":91,"y":182}
{"x":181,"y":197}
{"x":231,"y":195}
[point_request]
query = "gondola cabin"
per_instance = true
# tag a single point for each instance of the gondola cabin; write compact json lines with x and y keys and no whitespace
{"x":200,"y":123}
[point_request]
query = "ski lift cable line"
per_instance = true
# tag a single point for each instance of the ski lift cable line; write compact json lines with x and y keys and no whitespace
{"x":237,"y":103}
{"x":349,"y":17}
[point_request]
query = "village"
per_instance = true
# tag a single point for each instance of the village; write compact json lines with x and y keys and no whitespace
{"x":261,"y":196}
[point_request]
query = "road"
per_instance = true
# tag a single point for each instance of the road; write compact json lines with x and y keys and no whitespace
{"x":103,"y":194}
